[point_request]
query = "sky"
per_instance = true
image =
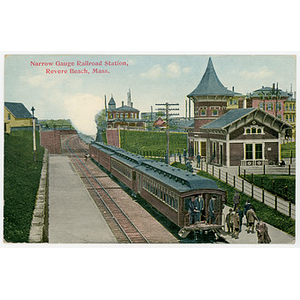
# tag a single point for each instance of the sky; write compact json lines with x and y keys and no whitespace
{"x":33,"y":81}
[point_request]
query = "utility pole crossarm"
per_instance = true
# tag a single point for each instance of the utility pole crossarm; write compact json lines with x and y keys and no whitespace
{"x":166,"y":110}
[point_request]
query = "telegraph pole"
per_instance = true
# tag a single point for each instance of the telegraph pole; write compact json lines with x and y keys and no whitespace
{"x":167,"y":110}
{"x":33,"y":130}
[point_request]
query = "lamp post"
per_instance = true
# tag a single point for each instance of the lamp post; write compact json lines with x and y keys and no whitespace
{"x":33,"y":130}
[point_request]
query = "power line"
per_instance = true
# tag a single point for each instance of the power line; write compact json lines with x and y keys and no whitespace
{"x":166,"y":109}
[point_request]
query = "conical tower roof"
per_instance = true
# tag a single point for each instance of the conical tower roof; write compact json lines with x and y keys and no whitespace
{"x":112,"y":101}
{"x":210,"y":84}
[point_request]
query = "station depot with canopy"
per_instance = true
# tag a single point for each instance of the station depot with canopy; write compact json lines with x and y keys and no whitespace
{"x":237,"y":137}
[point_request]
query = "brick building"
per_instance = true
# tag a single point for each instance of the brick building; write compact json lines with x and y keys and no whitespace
{"x":124,"y":117}
{"x":210,"y":99}
{"x":230,"y":136}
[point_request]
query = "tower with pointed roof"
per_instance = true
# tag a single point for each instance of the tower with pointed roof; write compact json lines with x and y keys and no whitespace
{"x":111,"y":103}
{"x":210,"y":98}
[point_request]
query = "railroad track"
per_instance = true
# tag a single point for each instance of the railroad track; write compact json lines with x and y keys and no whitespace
{"x":127,"y":232}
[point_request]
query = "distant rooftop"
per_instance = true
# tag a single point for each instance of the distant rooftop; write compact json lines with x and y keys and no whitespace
{"x":126,"y":108}
{"x":18,"y":110}
{"x":211,"y":85}
{"x":270,"y":91}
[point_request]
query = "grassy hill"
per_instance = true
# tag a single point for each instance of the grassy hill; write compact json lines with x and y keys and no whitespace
{"x":21,"y":182}
{"x":152,"y":143}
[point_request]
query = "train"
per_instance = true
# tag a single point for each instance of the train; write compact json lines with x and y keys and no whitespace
{"x":166,"y":188}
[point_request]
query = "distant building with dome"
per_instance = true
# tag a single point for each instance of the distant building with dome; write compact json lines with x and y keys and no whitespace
{"x":125,"y":116}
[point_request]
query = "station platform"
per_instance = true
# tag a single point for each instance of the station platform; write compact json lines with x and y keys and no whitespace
{"x":277,"y":236}
{"x":73,"y":215}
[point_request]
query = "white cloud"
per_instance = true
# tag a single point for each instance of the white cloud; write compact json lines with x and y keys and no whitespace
{"x":39,"y":80}
{"x":173,"y":70}
{"x":154,"y":72}
{"x":186,"y":70}
{"x":81,"y":109}
{"x":261,"y":73}
{"x":131,"y":62}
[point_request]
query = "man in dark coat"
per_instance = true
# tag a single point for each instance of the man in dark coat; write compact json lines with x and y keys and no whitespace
{"x":229,"y":221}
{"x":198,"y":160}
{"x":200,"y":206}
{"x":236,"y":200}
{"x":211,"y":210}
{"x":193,"y":209}
{"x":246,"y":208}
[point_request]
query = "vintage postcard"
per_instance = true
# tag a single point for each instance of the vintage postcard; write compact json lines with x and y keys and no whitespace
{"x":149,"y":149}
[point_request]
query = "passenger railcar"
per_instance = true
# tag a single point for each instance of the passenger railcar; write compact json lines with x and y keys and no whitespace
{"x":166,"y":188}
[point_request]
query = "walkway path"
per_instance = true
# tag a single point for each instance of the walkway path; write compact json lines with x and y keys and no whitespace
{"x":277,"y":236}
{"x":73,"y":215}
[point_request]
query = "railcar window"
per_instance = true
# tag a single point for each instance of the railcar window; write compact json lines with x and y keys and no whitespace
{"x":120,"y":168}
{"x":161,"y":193}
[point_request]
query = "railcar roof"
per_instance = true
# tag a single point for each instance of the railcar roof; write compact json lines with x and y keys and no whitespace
{"x":176,"y":178}
{"x":121,"y":154}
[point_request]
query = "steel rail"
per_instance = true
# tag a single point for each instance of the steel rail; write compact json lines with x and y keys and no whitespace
{"x":107,"y":194}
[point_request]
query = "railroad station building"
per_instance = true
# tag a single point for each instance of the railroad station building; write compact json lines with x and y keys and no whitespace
{"x":244,"y":137}
{"x":228,"y":136}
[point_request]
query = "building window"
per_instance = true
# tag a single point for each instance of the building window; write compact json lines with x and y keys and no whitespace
{"x":254,"y":130}
{"x":8,"y":117}
{"x":249,"y":151}
{"x":278,"y":106}
{"x":252,"y":149}
{"x":203,"y":112}
{"x":261,"y":105}
{"x":269,"y":106}
{"x":258,"y":151}
{"x":214,"y":112}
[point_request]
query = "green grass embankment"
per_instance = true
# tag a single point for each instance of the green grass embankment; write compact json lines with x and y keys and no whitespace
{"x":21,"y":182}
{"x":282,"y":185}
{"x":152,"y":143}
{"x":265,"y":213}
{"x":288,"y":150}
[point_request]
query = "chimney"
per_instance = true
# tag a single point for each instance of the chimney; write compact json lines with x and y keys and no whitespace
{"x":122,"y":103}
{"x":233,"y":88}
{"x":131,"y":104}
{"x":245,"y":103}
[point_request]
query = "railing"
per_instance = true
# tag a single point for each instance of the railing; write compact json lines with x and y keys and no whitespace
{"x":285,"y":207}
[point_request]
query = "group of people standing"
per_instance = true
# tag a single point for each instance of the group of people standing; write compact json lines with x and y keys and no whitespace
{"x":235,"y":216}
{"x":196,"y":207}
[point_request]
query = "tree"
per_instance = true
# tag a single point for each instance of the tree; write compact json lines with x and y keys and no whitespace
{"x":100,"y":118}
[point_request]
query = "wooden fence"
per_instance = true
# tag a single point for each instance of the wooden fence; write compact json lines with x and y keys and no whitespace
{"x":273,"y":201}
